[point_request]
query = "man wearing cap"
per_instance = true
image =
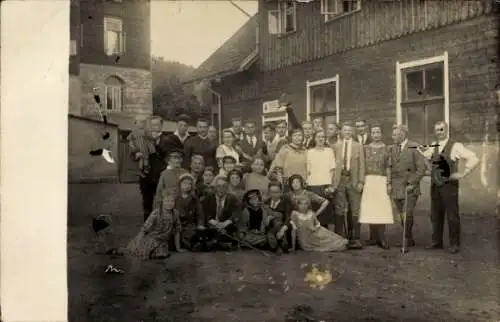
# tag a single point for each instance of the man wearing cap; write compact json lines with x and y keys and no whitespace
{"x":169,"y":178}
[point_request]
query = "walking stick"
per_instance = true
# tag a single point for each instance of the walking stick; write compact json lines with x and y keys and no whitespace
{"x":403,"y":246}
{"x":221,"y":231}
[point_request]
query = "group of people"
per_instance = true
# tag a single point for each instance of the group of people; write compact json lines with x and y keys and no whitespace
{"x":309,"y":186}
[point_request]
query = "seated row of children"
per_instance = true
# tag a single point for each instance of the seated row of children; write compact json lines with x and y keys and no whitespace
{"x":204,"y":212}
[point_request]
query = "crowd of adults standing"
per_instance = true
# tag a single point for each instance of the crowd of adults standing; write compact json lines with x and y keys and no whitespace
{"x":346,"y":171}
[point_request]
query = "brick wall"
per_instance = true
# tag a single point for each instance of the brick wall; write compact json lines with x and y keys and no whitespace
{"x":84,"y":136}
{"x":137,"y":95}
{"x":368,"y":89}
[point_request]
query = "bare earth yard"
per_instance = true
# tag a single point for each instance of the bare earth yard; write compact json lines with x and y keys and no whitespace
{"x":369,"y":285}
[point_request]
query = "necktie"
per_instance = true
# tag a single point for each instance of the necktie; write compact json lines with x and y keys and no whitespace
{"x":219,"y":208}
{"x":345,"y":154}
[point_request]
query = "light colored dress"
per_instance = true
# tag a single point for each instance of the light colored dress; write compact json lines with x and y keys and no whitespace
{"x":314,"y":238}
{"x":320,"y":163}
{"x":157,"y":231}
{"x":376,"y":207}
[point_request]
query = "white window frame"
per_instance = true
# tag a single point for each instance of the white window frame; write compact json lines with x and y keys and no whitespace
{"x":121,"y":39}
{"x":117,"y":92}
{"x":334,"y":13}
{"x":281,"y":16}
{"x":309,"y":84}
{"x":417,"y":63}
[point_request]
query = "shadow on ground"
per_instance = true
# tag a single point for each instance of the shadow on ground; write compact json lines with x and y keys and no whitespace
{"x":368,"y":285}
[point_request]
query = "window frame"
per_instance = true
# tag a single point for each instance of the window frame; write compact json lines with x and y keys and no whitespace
{"x":401,"y":101}
{"x":336,"y":14}
{"x":121,"y":37}
{"x":115,"y":88}
{"x":281,"y":18}
{"x":309,"y":85}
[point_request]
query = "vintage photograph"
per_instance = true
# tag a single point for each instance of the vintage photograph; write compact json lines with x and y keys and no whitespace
{"x":269,"y":160}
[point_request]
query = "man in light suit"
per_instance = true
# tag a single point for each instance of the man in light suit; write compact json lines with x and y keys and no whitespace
{"x":362,"y":132}
{"x":348,"y":183}
{"x":407,"y":167}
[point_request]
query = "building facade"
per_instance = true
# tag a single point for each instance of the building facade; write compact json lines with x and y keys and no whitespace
{"x":413,"y":62}
{"x":111,"y":56}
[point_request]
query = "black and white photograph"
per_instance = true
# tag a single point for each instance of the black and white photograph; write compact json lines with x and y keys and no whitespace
{"x":273,"y":160}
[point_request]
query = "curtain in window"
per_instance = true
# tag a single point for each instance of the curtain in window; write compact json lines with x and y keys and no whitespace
{"x":112,"y":42}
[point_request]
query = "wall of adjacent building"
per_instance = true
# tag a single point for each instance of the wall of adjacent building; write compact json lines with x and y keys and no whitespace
{"x":83,"y":136}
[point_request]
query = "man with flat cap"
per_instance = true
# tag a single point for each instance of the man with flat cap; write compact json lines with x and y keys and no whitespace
{"x":169,"y":178}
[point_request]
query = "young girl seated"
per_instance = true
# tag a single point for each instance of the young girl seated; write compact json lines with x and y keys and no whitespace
{"x":311,"y":235}
{"x":297,"y":189}
{"x":204,"y":187}
{"x":235,"y":186}
{"x":189,"y":210}
{"x":163,"y":224}
{"x":257,"y":178}
{"x":259,"y":225}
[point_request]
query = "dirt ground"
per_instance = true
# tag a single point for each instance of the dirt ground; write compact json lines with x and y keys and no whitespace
{"x":368,"y":285}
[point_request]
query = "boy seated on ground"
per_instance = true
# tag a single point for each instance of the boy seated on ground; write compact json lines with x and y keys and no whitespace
{"x":261,"y":227}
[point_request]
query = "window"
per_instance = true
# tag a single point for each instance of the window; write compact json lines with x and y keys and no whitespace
{"x":332,"y":9}
{"x":323,"y":99}
{"x":422,"y":96}
{"x":114,"y":36}
{"x":283,"y":20}
{"x":114,"y":94}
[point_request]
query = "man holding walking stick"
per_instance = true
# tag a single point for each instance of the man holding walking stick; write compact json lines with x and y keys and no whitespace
{"x":407,"y":167}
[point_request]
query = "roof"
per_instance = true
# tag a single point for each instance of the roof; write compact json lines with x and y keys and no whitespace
{"x":235,"y":55}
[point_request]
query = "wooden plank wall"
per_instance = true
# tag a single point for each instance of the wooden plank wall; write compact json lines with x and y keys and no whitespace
{"x":377,"y":21}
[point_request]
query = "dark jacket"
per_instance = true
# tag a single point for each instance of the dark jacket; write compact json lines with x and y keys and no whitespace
{"x":232,"y":208}
{"x":204,"y":147}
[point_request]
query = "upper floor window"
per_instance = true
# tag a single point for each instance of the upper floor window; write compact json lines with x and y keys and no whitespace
{"x":114,"y":36}
{"x":284,"y":19}
{"x":332,"y":9}
{"x":113,"y":88}
{"x":323,"y":99}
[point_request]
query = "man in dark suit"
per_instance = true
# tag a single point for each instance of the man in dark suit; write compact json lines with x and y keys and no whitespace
{"x":362,"y":132}
{"x":308,"y":129}
{"x":157,"y":163}
{"x":251,"y":145}
{"x":176,"y":139}
{"x":348,"y":183}
{"x":277,"y":202}
{"x":407,"y":167}
{"x":222,"y":211}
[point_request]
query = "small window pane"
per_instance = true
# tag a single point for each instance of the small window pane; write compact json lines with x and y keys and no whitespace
{"x":330,"y":97}
{"x":415,"y":117}
{"x":434,"y":113}
{"x":273,"y":21}
{"x":414,"y":85}
{"x":317,"y":99}
{"x":434,"y":82}
{"x":109,"y":99}
{"x":349,"y":5}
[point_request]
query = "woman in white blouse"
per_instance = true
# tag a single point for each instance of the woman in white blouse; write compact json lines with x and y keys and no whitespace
{"x":320,"y":171}
{"x":227,"y":148}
